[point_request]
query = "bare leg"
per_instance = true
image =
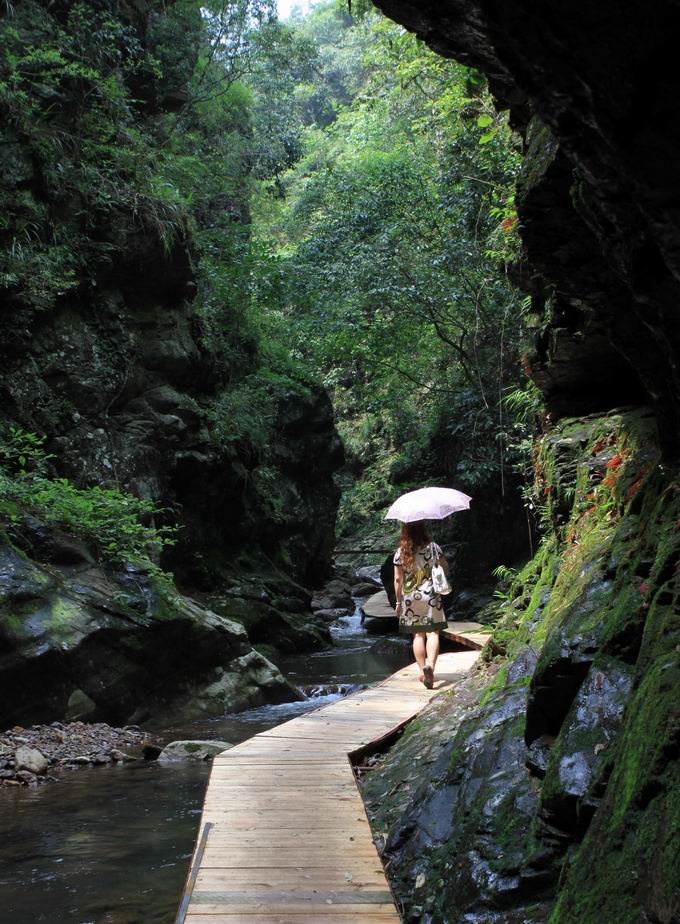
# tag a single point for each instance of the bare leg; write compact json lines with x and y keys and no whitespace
{"x":432,"y":648}
{"x":419,"y":650}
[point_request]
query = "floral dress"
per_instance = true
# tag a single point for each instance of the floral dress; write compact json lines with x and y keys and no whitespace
{"x":421,"y":608}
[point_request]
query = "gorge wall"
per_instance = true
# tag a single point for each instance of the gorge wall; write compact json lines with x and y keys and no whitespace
{"x":547,"y":788}
{"x":104,"y":354}
{"x":597,"y":200}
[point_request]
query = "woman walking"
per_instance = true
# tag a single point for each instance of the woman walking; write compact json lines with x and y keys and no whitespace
{"x":419,"y":606}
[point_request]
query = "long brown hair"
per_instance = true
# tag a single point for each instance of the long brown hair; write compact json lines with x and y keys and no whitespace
{"x":413,"y":537}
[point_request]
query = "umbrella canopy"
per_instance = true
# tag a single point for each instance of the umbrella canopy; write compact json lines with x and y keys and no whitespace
{"x":427,"y":504}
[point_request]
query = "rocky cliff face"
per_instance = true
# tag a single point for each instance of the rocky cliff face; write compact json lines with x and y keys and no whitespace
{"x":549,"y":791}
{"x":104,"y":354}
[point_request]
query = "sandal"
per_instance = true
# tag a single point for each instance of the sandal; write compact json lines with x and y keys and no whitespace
{"x":428,"y":677}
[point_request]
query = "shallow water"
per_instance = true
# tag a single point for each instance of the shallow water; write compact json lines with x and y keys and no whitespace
{"x":112,"y":845}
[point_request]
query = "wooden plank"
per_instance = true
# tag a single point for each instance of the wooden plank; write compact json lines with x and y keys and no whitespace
{"x":254,"y":820}
{"x":268,"y":880}
{"x":305,"y":903}
{"x":267,"y":799}
{"x":311,"y":914}
{"x":287,"y":823}
{"x":282,"y":784}
{"x":469,"y":634}
{"x":278,"y":789}
{"x":281,"y":791}
{"x":313,"y":752}
{"x":326,"y":917}
{"x":279,"y":773}
{"x":290,"y":842}
{"x":232,"y":855}
{"x":290,"y":837}
{"x":281,"y":812}
{"x":340,"y":717}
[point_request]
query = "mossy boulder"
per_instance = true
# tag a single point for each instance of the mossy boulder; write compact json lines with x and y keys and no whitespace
{"x":118,"y":646}
{"x":192,"y":750}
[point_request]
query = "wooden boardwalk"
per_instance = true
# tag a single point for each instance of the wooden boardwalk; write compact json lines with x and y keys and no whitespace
{"x":470,"y":634}
{"x":284,"y":837}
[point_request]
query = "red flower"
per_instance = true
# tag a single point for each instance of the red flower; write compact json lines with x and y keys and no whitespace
{"x":633,"y":488}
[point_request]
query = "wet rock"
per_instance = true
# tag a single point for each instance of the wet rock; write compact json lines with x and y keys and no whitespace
{"x":30,"y":759}
{"x":364,"y":589}
{"x":556,"y":682}
{"x":152,"y":752}
{"x":314,"y":691}
{"x":569,"y":794}
{"x":391,"y":646}
{"x":51,"y":545}
{"x":120,"y":757}
{"x":335,"y":595}
{"x":192,"y":750}
{"x":332,"y":615}
{"x":282,"y":624}
{"x":251,"y":680}
{"x":538,"y":755}
{"x":79,"y":706}
{"x":464,"y":805}
{"x":26,"y":777}
{"x":370,"y":574}
{"x":466,"y":604}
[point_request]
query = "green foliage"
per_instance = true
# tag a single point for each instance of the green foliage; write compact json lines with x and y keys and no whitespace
{"x":390,"y":236}
{"x":117,"y":525}
{"x":244,"y":415}
{"x":76,"y":147}
{"x":22,"y":452}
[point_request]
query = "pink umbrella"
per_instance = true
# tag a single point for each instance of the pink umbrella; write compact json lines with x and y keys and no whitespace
{"x":428,"y":504}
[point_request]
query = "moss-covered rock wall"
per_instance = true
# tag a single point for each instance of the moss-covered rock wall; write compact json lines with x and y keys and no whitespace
{"x":558,"y":780}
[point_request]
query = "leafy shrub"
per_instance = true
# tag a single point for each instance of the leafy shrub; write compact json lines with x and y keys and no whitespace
{"x":113,"y":523}
{"x":245,"y":414}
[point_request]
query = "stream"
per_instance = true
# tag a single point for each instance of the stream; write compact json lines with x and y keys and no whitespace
{"x":112,"y":845}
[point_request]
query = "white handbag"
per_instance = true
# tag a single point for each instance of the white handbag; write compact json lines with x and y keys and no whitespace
{"x":440,"y":582}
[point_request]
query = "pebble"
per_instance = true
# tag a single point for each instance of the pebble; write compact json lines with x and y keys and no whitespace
{"x":120,"y":756}
{"x":25,"y":776}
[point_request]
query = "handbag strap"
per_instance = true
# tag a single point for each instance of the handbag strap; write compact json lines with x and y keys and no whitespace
{"x":435,"y":557}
